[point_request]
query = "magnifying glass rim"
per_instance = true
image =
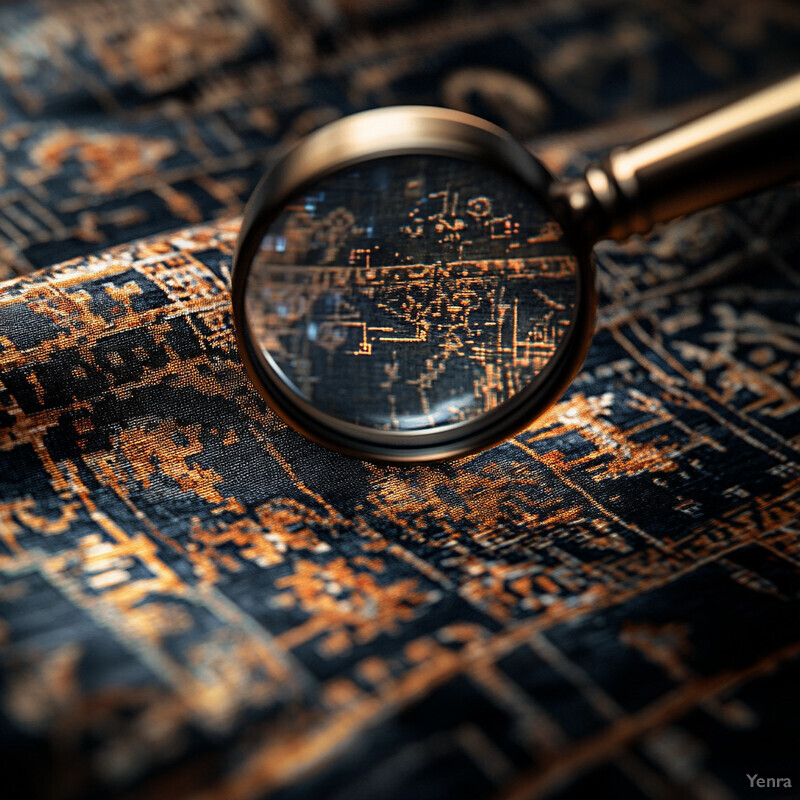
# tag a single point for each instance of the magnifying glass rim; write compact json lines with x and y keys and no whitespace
{"x":381,"y":133}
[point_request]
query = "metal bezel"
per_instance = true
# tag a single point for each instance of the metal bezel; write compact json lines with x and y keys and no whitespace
{"x":375,"y":134}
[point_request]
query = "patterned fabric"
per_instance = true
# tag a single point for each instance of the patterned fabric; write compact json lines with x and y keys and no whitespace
{"x":195,"y":601}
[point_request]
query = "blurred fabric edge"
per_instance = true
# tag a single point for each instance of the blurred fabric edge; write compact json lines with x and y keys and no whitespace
{"x":117,"y":125}
{"x":195,"y":601}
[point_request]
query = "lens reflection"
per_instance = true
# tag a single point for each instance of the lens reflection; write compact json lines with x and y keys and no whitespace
{"x":411,"y":292}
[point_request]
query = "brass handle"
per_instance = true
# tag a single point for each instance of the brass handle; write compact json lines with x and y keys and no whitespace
{"x":743,"y":147}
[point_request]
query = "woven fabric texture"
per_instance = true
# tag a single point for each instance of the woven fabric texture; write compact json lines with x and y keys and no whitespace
{"x":195,"y":601}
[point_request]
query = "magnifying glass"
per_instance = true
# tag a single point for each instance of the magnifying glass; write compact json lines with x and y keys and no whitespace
{"x":410,"y":284}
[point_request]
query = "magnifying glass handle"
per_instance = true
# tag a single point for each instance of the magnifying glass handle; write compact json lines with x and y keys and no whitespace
{"x":743,"y":147}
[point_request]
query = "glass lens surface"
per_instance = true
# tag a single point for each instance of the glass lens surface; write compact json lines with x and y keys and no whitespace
{"x":411,"y":292}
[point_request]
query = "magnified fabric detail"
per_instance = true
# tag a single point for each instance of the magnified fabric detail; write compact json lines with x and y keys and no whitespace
{"x":411,"y":292}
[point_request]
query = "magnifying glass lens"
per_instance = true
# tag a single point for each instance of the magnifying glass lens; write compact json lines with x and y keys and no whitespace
{"x":411,"y":292}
